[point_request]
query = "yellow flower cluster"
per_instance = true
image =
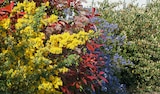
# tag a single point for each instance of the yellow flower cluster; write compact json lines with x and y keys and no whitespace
{"x":21,"y":71}
{"x":24,"y":21}
{"x":60,"y":70}
{"x":53,"y":18}
{"x":34,"y":41}
{"x":29,"y":7}
{"x":67,"y":40}
{"x":5,"y":23}
{"x":30,"y":17}
{"x":53,"y":83}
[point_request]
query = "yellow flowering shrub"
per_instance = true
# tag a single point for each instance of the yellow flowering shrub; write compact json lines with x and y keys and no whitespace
{"x":25,"y":62}
{"x":5,"y":23}
{"x":67,"y":40}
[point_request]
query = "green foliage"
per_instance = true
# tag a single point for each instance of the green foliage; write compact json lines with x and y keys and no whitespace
{"x":141,"y":26}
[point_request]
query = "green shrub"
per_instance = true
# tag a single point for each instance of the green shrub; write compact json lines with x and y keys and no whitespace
{"x":141,"y":25}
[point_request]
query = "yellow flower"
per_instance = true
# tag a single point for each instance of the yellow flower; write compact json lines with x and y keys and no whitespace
{"x":4,"y":51}
{"x":14,"y":73}
{"x":29,"y":7}
{"x":55,"y":50}
{"x":91,"y":31}
{"x":9,"y":84}
{"x":36,"y":42}
{"x":63,"y":70}
{"x":66,"y":40}
{"x":20,"y":23}
{"x":10,"y":71}
{"x":5,"y":23}
{"x":56,"y":81}
{"x":47,"y":4}
{"x":53,"y":18}
{"x":45,"y":85}
{"x":63,"y":43}
{"x":50,"y":67}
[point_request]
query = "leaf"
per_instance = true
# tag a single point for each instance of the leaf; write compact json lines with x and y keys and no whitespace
{"x":90,"y":66}
{"x":101,"y":72}
{"x":65,"y":90}
{"x":92,"y":87}
{"x":99,"y":83}
{"x":93,"y":13}
{"x":77,"y":85}
{"x":7,"y":8}
{"x":45,"y":1}
{"x":1,"y":1}
{"x":104,"y":79}
{"x":84,"y":80}
{"x":91,"y":77}
{"x":69,"y":2}
{"x":3,"y":17}
{"x":92,"y":46}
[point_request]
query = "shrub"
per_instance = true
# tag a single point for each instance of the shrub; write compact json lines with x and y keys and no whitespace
{"x":141,"y":27}
{"x":45,"y":43}
{"x":29,"y":61}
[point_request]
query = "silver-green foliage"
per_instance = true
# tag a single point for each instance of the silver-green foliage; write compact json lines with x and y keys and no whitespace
{"x":141,"y":25}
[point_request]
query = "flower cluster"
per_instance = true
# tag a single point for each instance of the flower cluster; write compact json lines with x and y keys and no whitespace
{"x":67,"y":40}
{"x":5,"y":23}
{"x":111,"y":44}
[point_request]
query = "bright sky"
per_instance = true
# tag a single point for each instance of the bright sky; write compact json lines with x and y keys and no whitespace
{"x":89,"y":2}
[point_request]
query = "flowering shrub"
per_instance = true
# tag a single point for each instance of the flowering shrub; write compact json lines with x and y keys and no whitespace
{"x":85,"y":77}
{"x":141,"y":27}
{"x":55,"y":46}
{"x":113,"y":61}
{"x":29,"y":62}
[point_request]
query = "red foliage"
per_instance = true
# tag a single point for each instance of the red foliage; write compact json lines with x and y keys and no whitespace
{"x":93,"y":14}
{"x":1,"y":1}
{"x":86,"y":74}
{"x":4,"y":11}
{"x":92,"y":46}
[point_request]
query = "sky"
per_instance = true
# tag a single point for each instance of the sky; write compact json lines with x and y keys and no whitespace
{"x":89,"y":2}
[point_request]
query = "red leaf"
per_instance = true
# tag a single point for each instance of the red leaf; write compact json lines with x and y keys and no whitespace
{"x":93,"y":14}
{"x":69,"y":2}
{"x":91,"y":77}
{"x":104,"y":79}
{"x":97,"y":15}
{"x":101,"y":72}
{"x":65,"y":90}
{"x":99,"y":83}
{"x":90,"y":66}
{"x":92,"y":46}
{"x":7,"y":8}
{"x":1,"y":1}
{"x":3,"y":17}
{"x":45,"y":1}
{"x":84,"y":80}
{"x":73,"y":84}
{"x":20,"y":14}
{"x":92,"y":87}
{"x":77,"y":85}
{"x":93,"y":11}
